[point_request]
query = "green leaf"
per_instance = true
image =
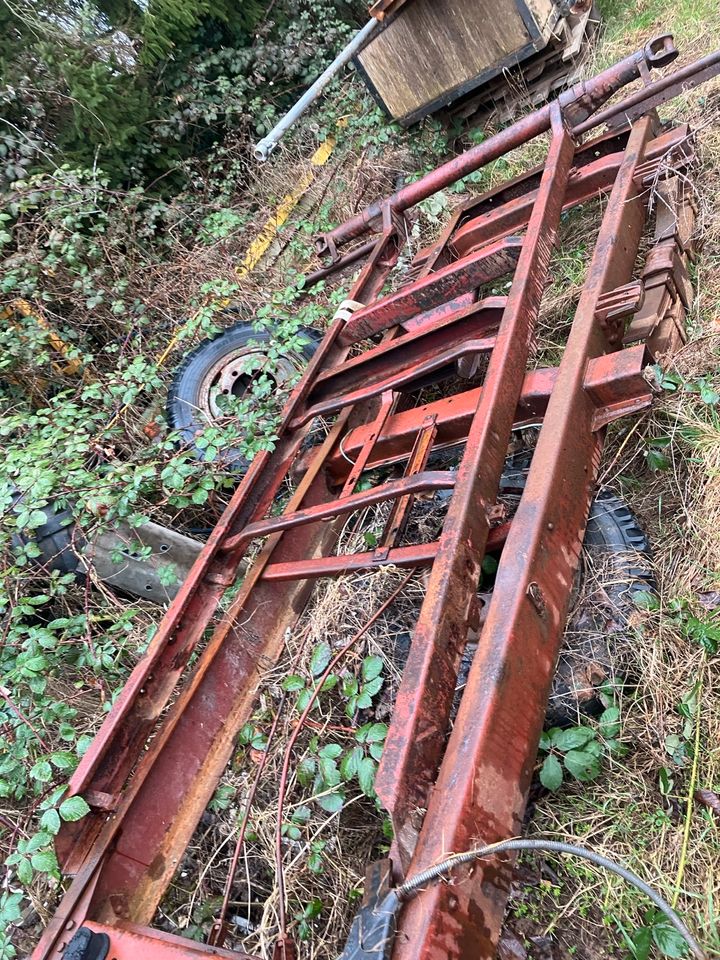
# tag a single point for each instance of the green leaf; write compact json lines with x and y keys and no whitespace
{"x":304,"y":698}
{"x":668,"y":940}
{"x":292,"y":683}
{"x":306,"y":771}
{"x":610,"y":725}
{"x":656,"y":459}
{"x":50,"y":821}
{"x":42,"y":771}
{"x":63,"y":760}
{"x":24,"y":871}
{"x":37,"y":841}
{"x":573,"y":738}
{"x":301,"y":814}
{"x":320,"y":658}
{"x":372,"y":733}
{"x":367,"y":768}
{"x":349,"y":763}
{"x":330,"y":751}
{"x":641,"y":943}
{"x":582,"y":765}
{"x":372,"y":687}
{"x":74,"y":808}
{"x":329,"y":772}
{"x":546,"y":740}
{"x":45,"y":861}
{"x":551,"y":775}
{"x":332,"y":802}
{"x":315,"y":863}
{"x":349,"y":687}
{"x":372,"y":667}
{"x":645,"y":599}
{"x":666,"y":781}
{"x":708,"y":395}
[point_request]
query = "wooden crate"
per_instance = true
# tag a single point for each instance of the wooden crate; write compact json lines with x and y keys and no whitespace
{"x":434,"y":51}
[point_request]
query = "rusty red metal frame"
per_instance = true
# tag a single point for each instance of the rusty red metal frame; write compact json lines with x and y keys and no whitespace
{"x":155,"y":764}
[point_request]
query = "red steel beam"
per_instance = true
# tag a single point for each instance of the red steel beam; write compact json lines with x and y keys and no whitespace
{"x":405,"y":486}
{"x":616,"y":383}
{"x":404,"y":376}
{"x":482,"y":786}
{"x":411,"y":349}
{"x":584,"y":184}
{"x":416,"y":555}
{"x":491,"y":262}
{"x":154,"y":814}
{"x":133,"y":942}
{"x":414,"y":741}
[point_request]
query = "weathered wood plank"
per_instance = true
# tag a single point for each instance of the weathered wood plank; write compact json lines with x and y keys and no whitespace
{"x":433,"y":46}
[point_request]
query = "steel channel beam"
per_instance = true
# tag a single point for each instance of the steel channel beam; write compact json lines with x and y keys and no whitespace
{"x":134,"y":942}
{"x":410,"y":349}
{"x":420,"y":555}
{"x":616,"y":382}
{"x":493,"y":261}
{"x":405,"y":376}
{"x":415,"y":738}
{"x":585,"y":184}
{"x":416,"y":555}
{"x":481,"y":790}
{"x":405,"y":486}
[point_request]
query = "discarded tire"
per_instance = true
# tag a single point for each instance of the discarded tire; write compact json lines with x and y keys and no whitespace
{"x":217,"y":367}
{"x":58,"y":539}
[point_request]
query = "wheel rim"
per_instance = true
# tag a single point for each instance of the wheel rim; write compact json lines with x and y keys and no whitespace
{"x":233,"y":374}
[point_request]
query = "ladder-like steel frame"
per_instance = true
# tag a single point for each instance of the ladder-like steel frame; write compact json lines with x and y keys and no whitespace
{"x":155,"y":764}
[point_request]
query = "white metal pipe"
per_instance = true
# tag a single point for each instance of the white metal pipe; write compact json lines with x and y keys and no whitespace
{"x":264,"y":148}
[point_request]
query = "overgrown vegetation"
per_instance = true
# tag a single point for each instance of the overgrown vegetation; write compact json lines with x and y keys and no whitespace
{"x":128,"y":202}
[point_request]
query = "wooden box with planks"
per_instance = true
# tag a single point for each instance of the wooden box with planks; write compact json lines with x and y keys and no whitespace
{"x":429,"y":54}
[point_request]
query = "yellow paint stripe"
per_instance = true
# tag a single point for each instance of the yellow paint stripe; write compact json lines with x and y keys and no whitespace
{"x":27,"y":310}
{"x":259,"y":247}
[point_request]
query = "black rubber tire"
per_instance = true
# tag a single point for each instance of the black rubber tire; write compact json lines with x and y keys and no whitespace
{"x":183,"y":402}
{"x":58,"y":539}
{"x":598,"y":628}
